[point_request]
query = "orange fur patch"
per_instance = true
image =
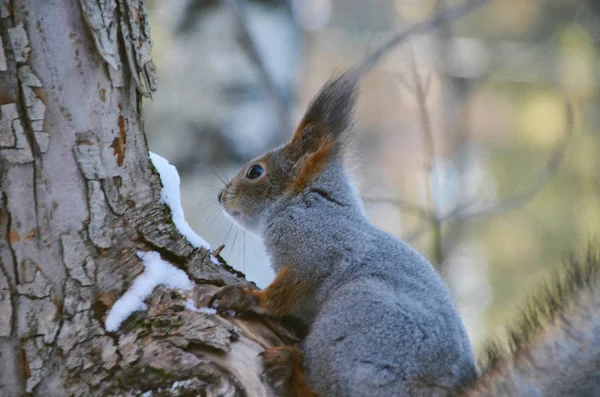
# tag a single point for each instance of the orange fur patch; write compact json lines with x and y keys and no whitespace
{"x":297,"y":136}
{"x":312,"y":166}
{"x":282,"y":295}
{"x":291,"y":356}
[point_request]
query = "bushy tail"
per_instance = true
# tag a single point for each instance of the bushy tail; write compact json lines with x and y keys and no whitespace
{"x":554,"y":347}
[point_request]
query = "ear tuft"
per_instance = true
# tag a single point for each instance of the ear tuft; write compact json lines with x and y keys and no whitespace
{"x":329,"y":118}
{"x":333,"y":107}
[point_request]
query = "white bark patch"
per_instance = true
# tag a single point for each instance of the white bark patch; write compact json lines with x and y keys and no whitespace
{"x":77,"y":297}
{"x":101,"y":18}
{"x":19,"y":42}
{"x":42,"y":139}
{"x":37,"y":313}
{"x":6,"y":312}
{"x":36,"y":109}
{"x":3,"y":64}
{"x":87,"y":153}
{"x":4,"y":8}
{"x":135,"y":29}
{"x":99,"y":228}
{"x":129,"y":348}
{"x":81,"y":329}
{"x":28,"y":78}
{"x":103,"y":195}
{"x":8,"y":113}
{"x":21,"y":139}
{"x":114,"y":199}
{"x":156,"y":272}
{"x":37,"y":317}
{"x":109,"y":354}
{"x":38,"y":287}
{"x":13,"y":136}
{"x":78,"y":261}
{"x":80,"y":335}
{"x":37,"y":353}
{"x":11,"y":367}
{"x":116,"y":77}
{"x":37,"y":125}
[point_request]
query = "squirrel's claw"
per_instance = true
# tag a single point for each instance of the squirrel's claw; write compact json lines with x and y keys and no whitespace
{"x":232,"y":298}
{"x":281,"y":365}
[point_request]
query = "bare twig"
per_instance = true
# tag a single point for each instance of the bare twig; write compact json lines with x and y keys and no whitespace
{"x":544,"y":176}
{"x":218,"y":250}
{"x":421,"y":89}
{"x":404,"y":205}
{"x":419,"y":231}
{"x":249,"y":46}
{"x":359,"y":69}
{"x":432,"y":169}
{"x":445,"y":16}
{"x":462,"y":213}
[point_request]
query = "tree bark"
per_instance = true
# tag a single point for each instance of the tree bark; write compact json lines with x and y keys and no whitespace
{"x":79,"y":198}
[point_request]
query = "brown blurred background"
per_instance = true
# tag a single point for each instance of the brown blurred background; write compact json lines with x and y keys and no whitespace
{"x":465,"y":148}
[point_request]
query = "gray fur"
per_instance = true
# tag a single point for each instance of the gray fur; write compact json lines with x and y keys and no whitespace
{"x":386,"y":324}
{"x":381,"y":321}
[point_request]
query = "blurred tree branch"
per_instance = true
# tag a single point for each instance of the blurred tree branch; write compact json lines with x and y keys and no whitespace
{"x":538,"y":183}
{"x":248,"y":44}
{"x":439,"y":19}
{"x":462,"y":213}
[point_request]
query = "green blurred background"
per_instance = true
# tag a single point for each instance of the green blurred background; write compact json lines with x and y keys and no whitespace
{"x":479,"y":168}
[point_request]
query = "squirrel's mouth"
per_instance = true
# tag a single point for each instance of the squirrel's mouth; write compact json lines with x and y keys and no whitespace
{"x":234,"y":215}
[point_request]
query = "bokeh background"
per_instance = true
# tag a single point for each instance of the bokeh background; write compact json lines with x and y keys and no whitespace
{"x":466,"y":146}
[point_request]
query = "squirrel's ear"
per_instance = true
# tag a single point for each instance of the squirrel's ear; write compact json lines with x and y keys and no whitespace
{"x":328,"y":120}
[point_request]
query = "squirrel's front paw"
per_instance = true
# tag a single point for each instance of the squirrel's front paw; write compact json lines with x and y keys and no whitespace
{"x":234,"y":298}
{"x":283,"y":369}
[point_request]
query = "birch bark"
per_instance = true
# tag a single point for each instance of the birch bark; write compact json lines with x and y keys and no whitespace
{"x":79,"y":198}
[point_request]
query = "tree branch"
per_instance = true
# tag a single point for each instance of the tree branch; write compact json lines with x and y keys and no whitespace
{"x":445,"y":16}
{"x":461,"y":212}
{"x":539,"y":182}
{"x":249,"y":46}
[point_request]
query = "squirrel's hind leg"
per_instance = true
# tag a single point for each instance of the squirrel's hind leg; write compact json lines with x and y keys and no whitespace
{"x":284,"y":373}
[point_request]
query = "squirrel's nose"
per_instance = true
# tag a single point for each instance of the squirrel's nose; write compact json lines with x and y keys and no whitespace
{"x":219,"y":196}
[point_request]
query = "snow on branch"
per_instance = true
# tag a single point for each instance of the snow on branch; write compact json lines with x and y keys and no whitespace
{"x":156,"y":272}
{"x":171,"y":196}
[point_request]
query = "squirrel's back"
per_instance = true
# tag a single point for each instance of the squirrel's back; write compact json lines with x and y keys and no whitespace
{"x":387,"y":325}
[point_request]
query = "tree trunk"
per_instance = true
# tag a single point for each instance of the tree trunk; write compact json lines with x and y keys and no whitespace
{"x":79,"y":199}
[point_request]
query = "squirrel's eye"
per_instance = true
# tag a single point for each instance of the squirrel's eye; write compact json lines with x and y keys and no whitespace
{"x":255,"y":171}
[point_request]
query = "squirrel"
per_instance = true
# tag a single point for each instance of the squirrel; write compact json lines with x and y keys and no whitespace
{"x":381,"y":320}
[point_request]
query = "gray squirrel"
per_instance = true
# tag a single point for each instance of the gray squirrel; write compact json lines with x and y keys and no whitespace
{"x":381,"y":321}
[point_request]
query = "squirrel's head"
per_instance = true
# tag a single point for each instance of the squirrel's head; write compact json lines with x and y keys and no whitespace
{"x":319,"y":142}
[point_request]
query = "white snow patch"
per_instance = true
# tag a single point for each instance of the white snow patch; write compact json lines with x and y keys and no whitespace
{"x":190,"y":305}
{"x":156,"y":272}
{"x":170,"y":195}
